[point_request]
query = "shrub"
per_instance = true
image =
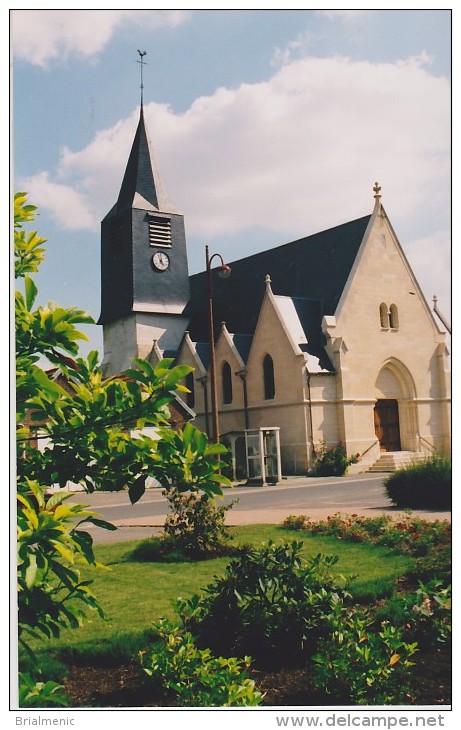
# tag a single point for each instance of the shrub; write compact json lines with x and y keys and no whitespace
{"x":195,"y":676}
{"x":332,"y":461}
{"x":425,"y":615}
{"x":296,"y":522}
{"x":437,"y":564}
{"x":270,"y":603}
{"x":363,"y":663}
{"x":426,"y":485}
{"x":196,"y":526}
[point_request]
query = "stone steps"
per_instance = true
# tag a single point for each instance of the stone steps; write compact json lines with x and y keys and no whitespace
{"x":393,"y":460}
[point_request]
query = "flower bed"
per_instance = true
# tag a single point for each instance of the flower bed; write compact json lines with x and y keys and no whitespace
{"x":410,"y":535}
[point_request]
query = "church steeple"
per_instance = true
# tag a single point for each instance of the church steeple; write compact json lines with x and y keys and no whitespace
{"x":142,"y":184}
{"x":144,"y":272}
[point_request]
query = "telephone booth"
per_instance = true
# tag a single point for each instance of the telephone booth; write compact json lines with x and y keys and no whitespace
{"x":263,"y":455}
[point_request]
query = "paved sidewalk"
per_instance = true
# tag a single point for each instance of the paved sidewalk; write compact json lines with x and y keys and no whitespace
{"x":271,"y":516}
{"x":136,"y":527}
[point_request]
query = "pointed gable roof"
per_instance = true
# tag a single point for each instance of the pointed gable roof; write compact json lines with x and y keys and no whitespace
{"x":141,"y":185}
{"x":313,"y":270}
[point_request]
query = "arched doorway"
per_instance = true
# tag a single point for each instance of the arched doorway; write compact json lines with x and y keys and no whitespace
{"x":387,"y":424}
{"x":394,"y":411}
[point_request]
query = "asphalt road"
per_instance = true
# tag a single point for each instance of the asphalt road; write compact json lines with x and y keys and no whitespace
{"x":316,"y":497}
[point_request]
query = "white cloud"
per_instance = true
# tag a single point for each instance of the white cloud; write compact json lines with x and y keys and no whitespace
{"x":430,"y":258}
{"x":296,"y":154}
{"x":70,"y":209}
{"x":43,"y":36}
{"x":294,"y":49}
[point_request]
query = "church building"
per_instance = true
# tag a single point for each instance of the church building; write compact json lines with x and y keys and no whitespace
{"x":325,"y":339}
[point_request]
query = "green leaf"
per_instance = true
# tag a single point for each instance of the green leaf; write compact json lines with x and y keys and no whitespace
{"x":137,"y":489}
{"x":101,"y":523}
{"x":31,"y":571}
{"x":56,"y":499}
{"x":31,"y":291}
{"x":85,"y":543}
{"x":216,"y":449}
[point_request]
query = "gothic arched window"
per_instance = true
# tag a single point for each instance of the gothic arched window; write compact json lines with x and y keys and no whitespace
{"x":269,"y":379}
{"x":226,"y":383}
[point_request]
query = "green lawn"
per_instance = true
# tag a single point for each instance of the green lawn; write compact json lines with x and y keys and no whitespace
{"x":134,"y":595}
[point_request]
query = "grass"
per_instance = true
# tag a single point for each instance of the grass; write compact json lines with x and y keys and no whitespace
{"x":134,"y":595}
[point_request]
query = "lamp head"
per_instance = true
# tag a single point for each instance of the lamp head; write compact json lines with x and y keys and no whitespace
{"x":224,"y":271}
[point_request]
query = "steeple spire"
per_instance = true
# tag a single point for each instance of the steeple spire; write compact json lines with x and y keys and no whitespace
{"x":142,"y":62}
{"x":141,"y":185}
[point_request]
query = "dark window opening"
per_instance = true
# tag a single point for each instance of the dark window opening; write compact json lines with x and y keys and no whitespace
{"x":269,"y":379}
{"x":226,"y":383}
{"x":394,"y":317}
{"x":190,"y":384}
{"x":384,"y":315}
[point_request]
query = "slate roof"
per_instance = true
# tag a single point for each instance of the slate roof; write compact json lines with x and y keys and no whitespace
{"x":312,"y":271}
{"x":141,"y":182}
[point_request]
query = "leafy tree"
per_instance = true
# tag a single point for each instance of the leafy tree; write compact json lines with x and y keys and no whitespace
{"x":74,"y":425}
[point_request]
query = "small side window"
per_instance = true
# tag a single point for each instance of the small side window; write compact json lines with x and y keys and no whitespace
{"x":190,"y":384}
{"x":226,"y":383}
{"x":269,"y":378}
{"x":394,"y":317}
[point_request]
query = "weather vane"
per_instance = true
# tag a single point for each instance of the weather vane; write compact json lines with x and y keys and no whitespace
{"x":143,"y":63}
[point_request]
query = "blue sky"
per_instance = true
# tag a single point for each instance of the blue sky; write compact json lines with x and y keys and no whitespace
{"x":268,"y":125}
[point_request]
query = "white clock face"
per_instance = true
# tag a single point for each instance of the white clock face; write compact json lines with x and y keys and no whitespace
{"x":160,"y":261}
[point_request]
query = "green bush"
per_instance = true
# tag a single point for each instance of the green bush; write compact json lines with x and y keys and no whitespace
{"x":196,"y":526}
{"x":195,"y":676}
{"x":362,"y":662}
{"x":424,"y":614}
{"x":332,"y":461}
{"x":437,"y":564}
{"x":426,"y":485}
{"x":195,"y":529}
{"x":270,"y":603}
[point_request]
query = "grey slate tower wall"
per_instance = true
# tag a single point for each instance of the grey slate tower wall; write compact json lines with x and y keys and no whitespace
{"x":116,"y":267}
{"x":170,"y":287}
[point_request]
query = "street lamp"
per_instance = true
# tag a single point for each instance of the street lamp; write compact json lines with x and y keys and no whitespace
{"x":223,"y":272}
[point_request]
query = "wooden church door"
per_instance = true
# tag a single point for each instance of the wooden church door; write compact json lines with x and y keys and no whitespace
{"x":387,"y":426}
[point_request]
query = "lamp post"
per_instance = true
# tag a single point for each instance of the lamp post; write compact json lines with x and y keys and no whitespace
{"x":223,"y":272}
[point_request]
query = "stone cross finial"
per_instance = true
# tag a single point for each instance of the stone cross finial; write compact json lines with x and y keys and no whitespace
{"x":377,"y":190}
